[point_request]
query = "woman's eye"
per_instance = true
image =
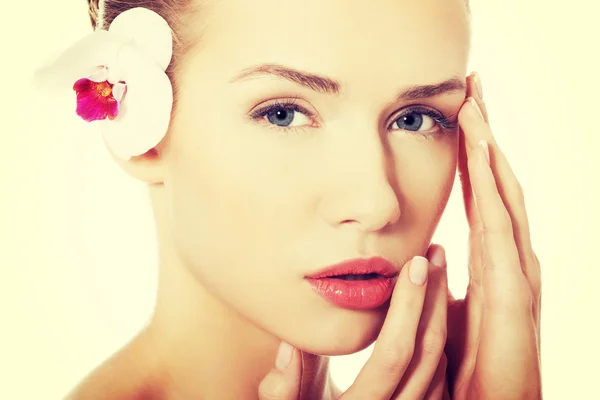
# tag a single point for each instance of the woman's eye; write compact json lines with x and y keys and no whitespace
{"x":414,"y":121}
{"x":286,"y":117}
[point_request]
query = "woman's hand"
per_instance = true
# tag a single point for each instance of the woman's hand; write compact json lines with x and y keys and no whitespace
{"x":408,"y":360}
{"x":493,"y":345}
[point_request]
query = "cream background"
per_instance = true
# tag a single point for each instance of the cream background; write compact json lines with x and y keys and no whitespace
{"x":77,"y":274}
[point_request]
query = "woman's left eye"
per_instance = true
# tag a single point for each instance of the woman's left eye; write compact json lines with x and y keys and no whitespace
{"x":415,"y":122}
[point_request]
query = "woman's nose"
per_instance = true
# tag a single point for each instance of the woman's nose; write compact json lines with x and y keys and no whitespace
{"x":360,"y":187}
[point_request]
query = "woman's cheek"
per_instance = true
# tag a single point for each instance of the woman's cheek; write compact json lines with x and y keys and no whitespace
{"x":425,"y":178}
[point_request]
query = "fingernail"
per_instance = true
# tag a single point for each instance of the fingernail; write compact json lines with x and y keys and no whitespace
{"x":284,"y":356}
{"x":438,"y":257}
{"x":477,"y":80}
{"x":474,"y":104}
{"x":418,"y":270}
{"x":484,"y":144}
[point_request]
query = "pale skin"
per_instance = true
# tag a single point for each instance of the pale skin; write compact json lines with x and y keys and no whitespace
{"x":245,"y":209}
{"x":492,"y":350}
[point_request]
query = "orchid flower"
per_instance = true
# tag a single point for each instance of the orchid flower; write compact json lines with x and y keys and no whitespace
{"x":118,"y":80}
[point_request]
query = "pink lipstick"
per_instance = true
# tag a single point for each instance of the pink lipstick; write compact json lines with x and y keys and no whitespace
{"x":359,"y":284}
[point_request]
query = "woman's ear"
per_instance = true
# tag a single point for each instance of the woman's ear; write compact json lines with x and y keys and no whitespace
{"x":148,"y":167}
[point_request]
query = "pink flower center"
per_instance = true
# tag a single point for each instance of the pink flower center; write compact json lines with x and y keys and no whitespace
{"x":96,"y":100}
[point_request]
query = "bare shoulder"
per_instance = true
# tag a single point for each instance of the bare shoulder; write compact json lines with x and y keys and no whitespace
{"x":130,"y":374}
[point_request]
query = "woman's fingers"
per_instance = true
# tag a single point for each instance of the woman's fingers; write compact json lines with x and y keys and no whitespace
{"x":475,"y":226}
{"x":283,"y":382}
{"x":503,"y":279}
{"x":463,"y":170}
{"x":508,"y":268}
{"x":431,"y":334}
{"x":508,"y":335}
{"x":438,"y":389}
{"x":395,"y":345}
{"x":476,"y":129}
{"x":475,"y":90}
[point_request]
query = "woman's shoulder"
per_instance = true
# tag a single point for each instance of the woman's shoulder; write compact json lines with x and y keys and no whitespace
{"x":129,"y":374}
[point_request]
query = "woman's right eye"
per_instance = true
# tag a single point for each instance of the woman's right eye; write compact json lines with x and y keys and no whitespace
{"x":284,"y":116}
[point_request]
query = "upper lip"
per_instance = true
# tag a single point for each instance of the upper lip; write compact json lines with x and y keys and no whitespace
{"x":359,"y":266}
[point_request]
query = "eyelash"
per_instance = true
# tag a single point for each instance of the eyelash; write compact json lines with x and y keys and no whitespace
{"x":446,"y":124}
{"x":287,"y":104}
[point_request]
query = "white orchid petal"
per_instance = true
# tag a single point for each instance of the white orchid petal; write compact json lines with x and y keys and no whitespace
{"x":147,"y":31}
{"x":79,"y":60}
{"x":129,"y":60}
{"x":99,"y":75}
{"x":145,"y":112}
{"x":118,"y":90}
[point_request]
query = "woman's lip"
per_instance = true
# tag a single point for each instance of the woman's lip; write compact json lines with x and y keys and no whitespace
{"x":359,"y":266}
{"x":363,"y":294}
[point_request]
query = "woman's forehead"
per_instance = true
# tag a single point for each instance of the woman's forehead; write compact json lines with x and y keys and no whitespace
{"x":340,"y":37}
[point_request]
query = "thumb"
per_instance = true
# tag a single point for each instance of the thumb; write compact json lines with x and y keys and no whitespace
{"x":284,"y":380}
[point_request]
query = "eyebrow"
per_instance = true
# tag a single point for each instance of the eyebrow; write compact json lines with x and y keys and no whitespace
{"x":424,"y":91}
{"x":317,"y":83}
{"x":322,"y":84}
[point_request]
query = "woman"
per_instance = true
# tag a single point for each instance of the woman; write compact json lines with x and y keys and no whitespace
{"x":308,"y":160}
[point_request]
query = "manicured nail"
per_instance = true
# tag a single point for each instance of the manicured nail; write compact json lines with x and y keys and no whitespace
{"x":438,"y":257}
{"x":474,"y":104}
{"x":284,"y":356}
{"x":418,"y":270}
{"x":484,"y":145}
{"x":477,"y":80}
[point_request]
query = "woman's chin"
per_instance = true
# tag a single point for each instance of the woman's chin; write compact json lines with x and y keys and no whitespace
{"x":339,"y":349}
{"x":343,"y":339}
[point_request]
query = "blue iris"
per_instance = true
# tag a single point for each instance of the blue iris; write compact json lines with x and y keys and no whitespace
{"x":410,"y":122}
{"x":281,"y":116}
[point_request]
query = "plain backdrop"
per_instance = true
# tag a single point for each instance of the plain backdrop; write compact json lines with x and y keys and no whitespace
{"x":77,"y":267}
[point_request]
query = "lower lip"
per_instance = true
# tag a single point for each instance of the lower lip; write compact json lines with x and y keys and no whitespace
{"x":356,"y":295}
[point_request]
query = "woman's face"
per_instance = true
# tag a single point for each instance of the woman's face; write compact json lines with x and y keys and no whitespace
{"x":308,"y":134}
